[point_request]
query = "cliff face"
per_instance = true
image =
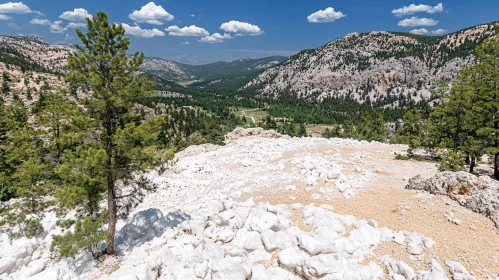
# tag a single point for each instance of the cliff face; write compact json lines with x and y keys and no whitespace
{"x":374,"y":65}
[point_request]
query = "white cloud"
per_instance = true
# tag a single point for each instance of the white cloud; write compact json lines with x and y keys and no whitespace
{"x":16,"y":8}
{"x":75,"y":25}
{"x":421,"y":31}
{"x":424,"y":31}
{"x":77,"y":15}
{"x":187,"y":31}
{"x":437,"y":9}
{"x":415,"y":21}
{"x":241,"y":28}
{"x":412,"y":9}
{"x":144,"y":33}
{"x":55,"y":27}
{"x":186,"y":43}
{"x":4,"y":17}
{"x":193,"y":15}
{"x":152,"y":14}
{"x":439,"y":32}
{"x":215,"y":38}
{"x":40,"y":21}
{"x":327,"y":15}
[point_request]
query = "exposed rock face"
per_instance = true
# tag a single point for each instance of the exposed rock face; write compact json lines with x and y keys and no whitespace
{"x":374,"y":65}
{"x":165,"y":69}
{"x":245,"y":132}
{"x":479,"y":194}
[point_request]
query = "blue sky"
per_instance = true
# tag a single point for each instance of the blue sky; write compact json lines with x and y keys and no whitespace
{"x":201,"y":31}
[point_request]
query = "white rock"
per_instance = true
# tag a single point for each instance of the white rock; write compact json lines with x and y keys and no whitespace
{"x":458,"y":271}
{"x":436,"y":272}
{"x":259,"y":256}
{"x":292,"y":258}
{"x":278,"y":240}
{"x":261,"y":220}
{"x":397,"y":269}
{"x":253,"y":241}
{"x":315,"y":196}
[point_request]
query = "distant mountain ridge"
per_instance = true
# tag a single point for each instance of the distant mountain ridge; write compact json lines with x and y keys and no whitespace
{"x":383,"y":67}
{"x":175,"y":71}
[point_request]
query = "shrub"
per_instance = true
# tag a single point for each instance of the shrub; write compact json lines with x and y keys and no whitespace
{"x":451,"y":161}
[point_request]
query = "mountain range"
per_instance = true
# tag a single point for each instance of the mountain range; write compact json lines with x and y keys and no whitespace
{"x":378,"y":66}
{"x":373,"y":66}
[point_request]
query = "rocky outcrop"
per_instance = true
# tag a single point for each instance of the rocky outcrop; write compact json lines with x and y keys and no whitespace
{"x":479,"y":194}
{"x":376,"y":66}
{"x":246,"y":132}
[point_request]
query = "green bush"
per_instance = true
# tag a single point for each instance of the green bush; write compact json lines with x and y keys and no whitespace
{"x":87,"y":235}
{"x":451,"y":161}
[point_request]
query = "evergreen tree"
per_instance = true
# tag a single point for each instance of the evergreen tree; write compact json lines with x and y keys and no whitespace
{"x":486,"y":81}
{"x":120,"y":144}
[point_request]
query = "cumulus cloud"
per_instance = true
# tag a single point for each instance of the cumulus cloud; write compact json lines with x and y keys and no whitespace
{"x":424,"y":31}
{"x":215,"y":38}
{"x":187,"y":31}
{"x":4,"y":17}
{"x":186,"y":43}
{"x":241,"y":28}
{"x":75,"y":25}
{"x":439,"y":32}
{"x":152,"y":14}
{"x":55,"y":27}
{"x":77,"y":15}
{"x":40,"y":21}
{"x":16,"y":8}
{"x":412,"y":9}
{"x":327,"y":15}
{"x":144,"y":33}
{"x":421,"y":31}
{"x":437,"y":9}
{"x":415,"y":21}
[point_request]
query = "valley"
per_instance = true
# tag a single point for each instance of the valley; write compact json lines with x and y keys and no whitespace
{"x":374,"y":156}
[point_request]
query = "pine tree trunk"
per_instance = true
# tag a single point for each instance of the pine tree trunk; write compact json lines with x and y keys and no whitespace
{"x":496,"y":166}
{"x":111,"y":206}
{"x":111,"y":196}
{"x":472,"y":164}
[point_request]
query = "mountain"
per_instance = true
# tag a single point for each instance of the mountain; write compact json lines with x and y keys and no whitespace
{"x":175,"y":71}
{"x":376,"y":66}
{"x":29,"y":62}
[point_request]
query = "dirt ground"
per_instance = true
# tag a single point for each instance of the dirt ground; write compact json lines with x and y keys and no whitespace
{"x":474,"y":242}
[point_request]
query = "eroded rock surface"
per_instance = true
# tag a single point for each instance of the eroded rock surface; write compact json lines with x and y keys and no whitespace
{"x":479,"y":194}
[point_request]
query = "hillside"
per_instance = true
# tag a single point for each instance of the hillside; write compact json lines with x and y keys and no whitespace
{"x":175,"y":71}
{"x":29,"y":62}
{"x":376,"y":66}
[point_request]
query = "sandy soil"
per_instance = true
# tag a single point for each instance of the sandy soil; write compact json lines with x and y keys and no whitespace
{"x":474,"y":242}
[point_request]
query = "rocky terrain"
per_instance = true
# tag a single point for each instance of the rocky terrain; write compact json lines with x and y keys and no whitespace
{"x":266,"y":206}
{"x":375,"y":66}
{"x":35,"y":62}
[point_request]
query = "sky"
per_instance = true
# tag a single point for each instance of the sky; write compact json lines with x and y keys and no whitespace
{"x":204,"y":31}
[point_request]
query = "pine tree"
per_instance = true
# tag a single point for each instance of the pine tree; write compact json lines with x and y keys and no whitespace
{"x":486,"y":80}
{"x":121,"y":143}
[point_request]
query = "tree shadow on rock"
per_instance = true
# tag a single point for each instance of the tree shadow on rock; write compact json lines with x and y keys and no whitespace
{"x":146,"y":225}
